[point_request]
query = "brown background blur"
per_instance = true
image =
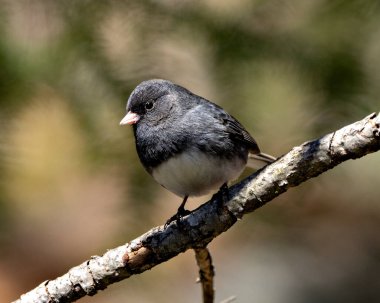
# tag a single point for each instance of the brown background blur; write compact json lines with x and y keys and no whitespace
{"x":71,"y":185}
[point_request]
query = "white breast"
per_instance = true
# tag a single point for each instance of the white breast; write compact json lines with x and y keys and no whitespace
{"x":195,"y":173}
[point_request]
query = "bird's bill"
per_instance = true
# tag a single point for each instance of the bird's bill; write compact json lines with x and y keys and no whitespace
{"x":130,"y":118}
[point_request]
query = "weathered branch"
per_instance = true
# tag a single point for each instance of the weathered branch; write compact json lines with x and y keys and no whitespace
{"x":212,"y":218}
{"x":206,"y":273}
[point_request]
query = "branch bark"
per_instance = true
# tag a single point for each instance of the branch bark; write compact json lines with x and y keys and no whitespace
{"x":212,"y":218}
{"x":206,"y":273}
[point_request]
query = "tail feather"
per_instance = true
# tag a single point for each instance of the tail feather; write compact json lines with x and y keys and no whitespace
{"x":257,"y":161}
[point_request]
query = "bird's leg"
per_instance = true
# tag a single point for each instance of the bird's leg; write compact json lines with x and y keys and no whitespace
{"x":225,"y":192}
{"x":222,"y":195}
{"x":180,"y":212}
{"x":181,"y":209}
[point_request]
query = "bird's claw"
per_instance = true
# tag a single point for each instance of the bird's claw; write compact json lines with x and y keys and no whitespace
{"x":177,"y":217}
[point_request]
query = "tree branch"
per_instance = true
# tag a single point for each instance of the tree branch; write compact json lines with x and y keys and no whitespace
{"x":206,"y":273}
{"x":212,"y":218}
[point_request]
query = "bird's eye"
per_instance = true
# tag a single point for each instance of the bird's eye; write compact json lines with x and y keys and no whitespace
{"x":149,"y":105}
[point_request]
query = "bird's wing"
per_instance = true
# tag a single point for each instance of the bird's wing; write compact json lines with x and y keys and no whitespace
{"x":233,"y":128}
{"x":238,"y":132}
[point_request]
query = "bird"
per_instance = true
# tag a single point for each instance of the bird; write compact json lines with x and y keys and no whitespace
{"x":188,"y":144}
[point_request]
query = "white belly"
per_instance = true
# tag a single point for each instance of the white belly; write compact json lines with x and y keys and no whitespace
{"x":195,"y":174}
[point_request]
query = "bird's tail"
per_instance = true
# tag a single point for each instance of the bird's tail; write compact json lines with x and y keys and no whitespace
{"x":257,"y":161}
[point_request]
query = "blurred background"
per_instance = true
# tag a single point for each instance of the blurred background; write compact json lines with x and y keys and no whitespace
{"x":71,"y":185}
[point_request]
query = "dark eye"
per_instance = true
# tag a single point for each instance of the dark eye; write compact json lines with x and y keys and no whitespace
{"x":149,"y":105}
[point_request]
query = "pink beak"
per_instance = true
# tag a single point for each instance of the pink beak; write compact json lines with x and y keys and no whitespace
{"x":130,"y":118}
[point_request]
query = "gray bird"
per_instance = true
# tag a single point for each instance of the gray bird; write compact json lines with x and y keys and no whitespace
{"x":189,"y":145}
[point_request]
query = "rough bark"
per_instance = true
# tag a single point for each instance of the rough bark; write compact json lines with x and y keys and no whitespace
{"x":206,"y":273}
{"x":214,"y":217}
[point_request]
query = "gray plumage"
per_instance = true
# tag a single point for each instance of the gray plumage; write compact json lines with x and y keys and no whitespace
{"x":187,"y":143}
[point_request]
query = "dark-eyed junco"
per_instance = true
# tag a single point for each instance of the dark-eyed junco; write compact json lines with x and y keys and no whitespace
{"x":188,"y":144}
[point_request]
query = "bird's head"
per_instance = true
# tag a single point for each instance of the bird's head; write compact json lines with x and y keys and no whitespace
{"x":151,"y":101}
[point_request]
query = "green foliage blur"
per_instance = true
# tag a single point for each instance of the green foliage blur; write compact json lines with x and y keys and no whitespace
{"x":71,"y":185}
